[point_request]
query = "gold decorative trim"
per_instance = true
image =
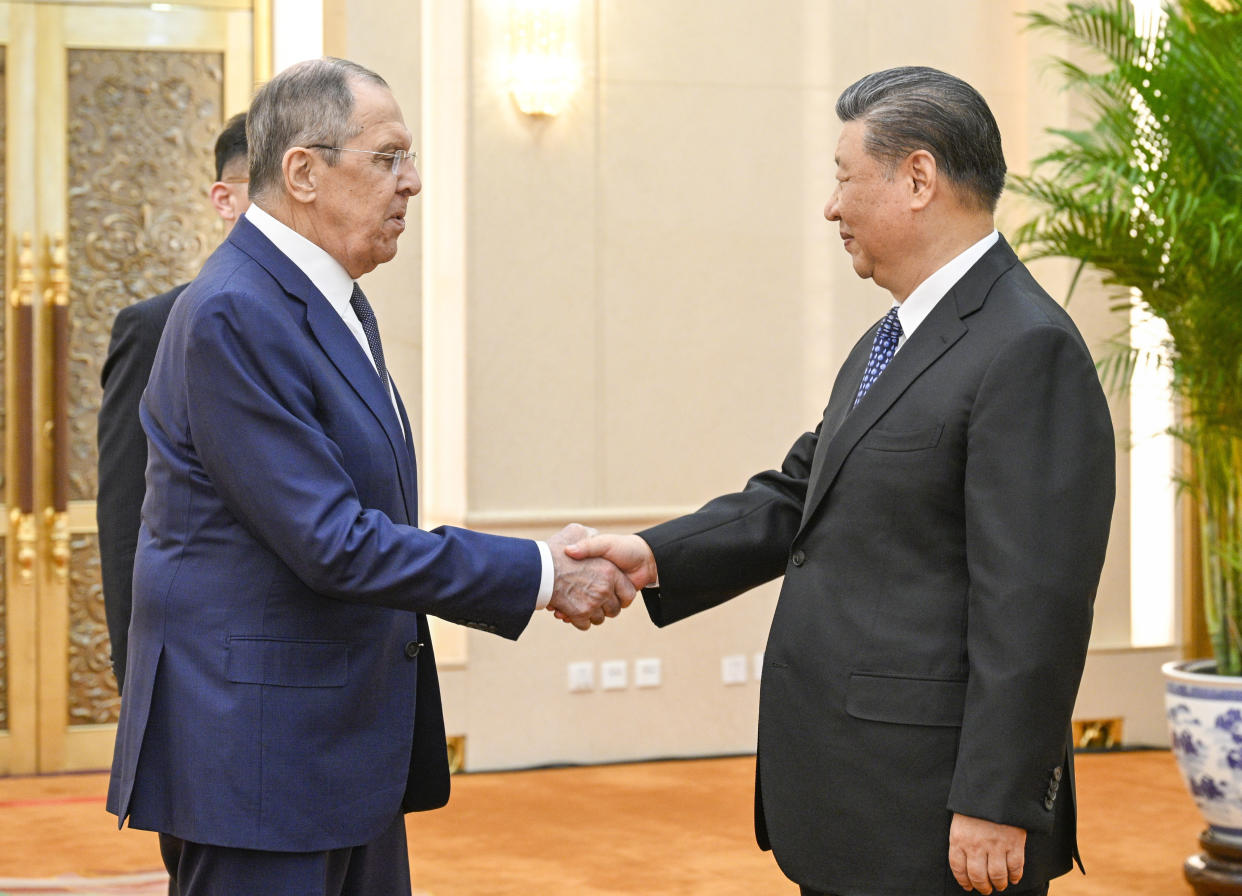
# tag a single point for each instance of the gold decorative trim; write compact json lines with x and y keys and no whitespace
{"x":22,"y":294}
{"x":57,"y":291}
{"x":22,"y":525}
{"x":57,"y":522}
{"x":456,"y":745}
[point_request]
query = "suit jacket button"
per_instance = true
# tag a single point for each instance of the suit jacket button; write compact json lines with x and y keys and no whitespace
{"x":1056,"y":773}
{"x":412,"y":649}
{"x":1048,"y":803}
{"x":798,"y":558}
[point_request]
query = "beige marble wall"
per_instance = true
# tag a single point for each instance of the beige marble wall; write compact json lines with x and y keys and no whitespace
{"x":622,"y":311}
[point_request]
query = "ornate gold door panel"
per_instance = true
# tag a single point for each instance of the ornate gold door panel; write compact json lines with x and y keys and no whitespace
{"x":109,"y":119}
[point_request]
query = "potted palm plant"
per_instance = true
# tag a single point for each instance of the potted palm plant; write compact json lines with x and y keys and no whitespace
{"x":1149,"y":194}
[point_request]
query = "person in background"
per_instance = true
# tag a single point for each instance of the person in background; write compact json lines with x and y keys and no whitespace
{"x":122,"y":444}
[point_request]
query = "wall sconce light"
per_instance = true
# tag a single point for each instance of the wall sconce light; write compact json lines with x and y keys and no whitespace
{"x":544,"y":68}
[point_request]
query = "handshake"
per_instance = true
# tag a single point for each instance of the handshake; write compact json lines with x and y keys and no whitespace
{"x":596,"y":575}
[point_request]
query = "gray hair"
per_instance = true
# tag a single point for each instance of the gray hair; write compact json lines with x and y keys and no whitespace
{"x":308,"y":103}
{"x":914,"y":107}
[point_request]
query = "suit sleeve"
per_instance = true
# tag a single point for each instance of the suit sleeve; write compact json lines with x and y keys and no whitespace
{"x":253,"y":412}
{"x":1039,"y":488}
{"x":122,"y":465}
{"x":732,"y":544}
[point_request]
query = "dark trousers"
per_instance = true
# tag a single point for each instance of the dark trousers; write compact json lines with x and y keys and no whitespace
{"x":378,"y":868}
{"x":170,"y":852}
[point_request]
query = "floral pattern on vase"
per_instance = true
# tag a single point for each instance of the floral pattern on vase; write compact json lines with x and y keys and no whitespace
{"x":1204,"y":712}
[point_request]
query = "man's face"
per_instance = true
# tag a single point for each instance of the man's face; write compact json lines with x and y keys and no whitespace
{"x":871,"y":205}
{"x":359,"y":208}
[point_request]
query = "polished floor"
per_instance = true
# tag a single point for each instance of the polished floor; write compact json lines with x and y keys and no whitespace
{"x":658,"y":829}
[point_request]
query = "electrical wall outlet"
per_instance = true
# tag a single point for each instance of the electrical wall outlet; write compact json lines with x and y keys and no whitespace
{"x":581,"y":677}
{"x":647,"y":673}
{"x":613,"y":675}
{"x":733,"y":668}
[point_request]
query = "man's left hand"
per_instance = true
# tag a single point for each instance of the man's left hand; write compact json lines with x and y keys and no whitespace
{"x":984,"y":855}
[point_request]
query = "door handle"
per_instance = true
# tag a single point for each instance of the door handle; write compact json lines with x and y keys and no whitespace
{"x":21,"y":401}
{"x":56,"y":305}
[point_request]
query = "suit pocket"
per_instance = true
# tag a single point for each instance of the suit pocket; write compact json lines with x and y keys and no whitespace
{"x":891,"y":440}
{"x":287,"y":663}
{"x":906,"y":701}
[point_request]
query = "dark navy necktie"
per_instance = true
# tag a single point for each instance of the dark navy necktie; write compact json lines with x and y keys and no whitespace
{"x":370,"y":327}
{"x":882,"y":349}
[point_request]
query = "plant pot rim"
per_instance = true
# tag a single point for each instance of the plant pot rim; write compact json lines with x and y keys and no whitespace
{"x":1200,"y":674}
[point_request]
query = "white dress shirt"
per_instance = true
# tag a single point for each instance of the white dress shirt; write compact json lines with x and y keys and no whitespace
{"x":914,"y":310}
{"x":331,"y":279}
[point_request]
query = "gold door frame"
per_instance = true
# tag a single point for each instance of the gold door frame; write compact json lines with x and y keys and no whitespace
{"x":47,"y":517}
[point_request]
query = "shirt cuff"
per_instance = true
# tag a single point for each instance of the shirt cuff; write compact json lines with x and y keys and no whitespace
{"x":547,"y":578}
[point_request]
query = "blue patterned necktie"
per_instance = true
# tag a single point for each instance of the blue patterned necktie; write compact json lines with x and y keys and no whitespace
{"x":882,"y":349}
{"x":370,"y":327}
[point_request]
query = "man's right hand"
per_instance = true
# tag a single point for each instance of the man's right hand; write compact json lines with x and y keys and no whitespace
{"x":586,"y":589}
{"x":628,"y":553}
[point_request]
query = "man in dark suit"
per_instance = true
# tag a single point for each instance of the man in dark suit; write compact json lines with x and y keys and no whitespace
{"x":281,"y":706}
{"x":122,"y":443}
{"x":941,"y":534}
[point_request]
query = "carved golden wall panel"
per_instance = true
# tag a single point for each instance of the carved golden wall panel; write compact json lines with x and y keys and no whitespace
{"x":141,"y":131}
{"x":4,"y":665}
{"x":142,"y":127}
{"x":92,"y":686}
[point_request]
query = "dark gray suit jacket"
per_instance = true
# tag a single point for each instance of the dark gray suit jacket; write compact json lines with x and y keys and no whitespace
{"x":123,"y":458}
{"x":941,"y":545}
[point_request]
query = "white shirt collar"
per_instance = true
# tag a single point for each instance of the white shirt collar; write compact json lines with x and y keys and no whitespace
{"x":324,"y":271}
{"x":914,"y":310}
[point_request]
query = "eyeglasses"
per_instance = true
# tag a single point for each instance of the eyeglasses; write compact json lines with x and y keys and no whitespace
{"x":397,"y":157}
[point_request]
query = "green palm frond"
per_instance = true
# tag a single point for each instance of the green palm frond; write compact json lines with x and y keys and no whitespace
{"x":1149,"y":195}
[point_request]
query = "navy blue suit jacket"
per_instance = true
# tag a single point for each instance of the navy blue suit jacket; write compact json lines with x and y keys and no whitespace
{"x":277,"y":696}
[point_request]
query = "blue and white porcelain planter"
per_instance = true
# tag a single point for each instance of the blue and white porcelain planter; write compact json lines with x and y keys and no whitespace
{"x":1205,"y":726}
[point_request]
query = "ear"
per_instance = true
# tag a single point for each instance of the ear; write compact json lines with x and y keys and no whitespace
{"x":224,"y":201}
{"x":300,"y":167}
{"x":923,"y":175}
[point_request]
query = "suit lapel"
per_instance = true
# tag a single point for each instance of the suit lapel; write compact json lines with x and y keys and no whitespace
{"x":336,"y":341}
{"x":944,"y":326}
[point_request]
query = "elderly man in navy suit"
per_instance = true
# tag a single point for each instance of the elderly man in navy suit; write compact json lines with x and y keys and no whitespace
{"x":941,"y":534}
{"x":281,"y":706}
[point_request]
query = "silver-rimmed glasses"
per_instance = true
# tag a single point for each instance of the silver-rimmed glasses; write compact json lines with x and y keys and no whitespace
{"x":397,"y":157}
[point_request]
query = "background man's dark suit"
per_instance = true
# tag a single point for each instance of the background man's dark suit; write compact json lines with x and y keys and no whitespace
{"x":123,"y":458}
{"x":941,"y":544}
